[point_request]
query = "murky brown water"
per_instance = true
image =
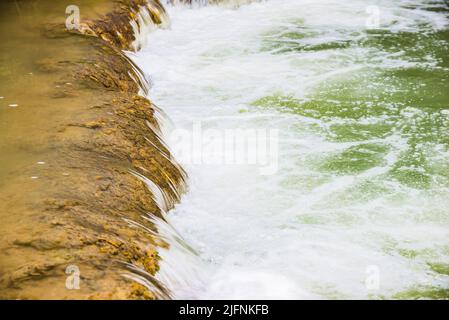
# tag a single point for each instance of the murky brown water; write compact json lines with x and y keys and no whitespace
{"x":67,"y":141}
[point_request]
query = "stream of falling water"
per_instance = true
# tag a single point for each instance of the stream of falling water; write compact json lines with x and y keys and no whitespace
{"x":359,"y":205}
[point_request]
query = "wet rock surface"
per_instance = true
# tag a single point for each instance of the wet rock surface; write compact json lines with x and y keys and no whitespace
{"x":73,"y":189}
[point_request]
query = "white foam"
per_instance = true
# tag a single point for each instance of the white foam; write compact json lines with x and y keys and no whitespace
{"x":254,"y":234}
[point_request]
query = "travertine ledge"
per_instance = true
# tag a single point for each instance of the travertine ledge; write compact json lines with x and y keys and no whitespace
{"x":100,"y":140}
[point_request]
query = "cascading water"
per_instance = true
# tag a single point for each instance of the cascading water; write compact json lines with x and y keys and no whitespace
{"x":359,"y":205}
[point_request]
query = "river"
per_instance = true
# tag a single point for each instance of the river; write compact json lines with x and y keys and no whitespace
{"x":356,"y":95}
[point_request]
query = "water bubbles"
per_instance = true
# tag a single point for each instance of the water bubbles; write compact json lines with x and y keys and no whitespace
{"x":370,"y":191}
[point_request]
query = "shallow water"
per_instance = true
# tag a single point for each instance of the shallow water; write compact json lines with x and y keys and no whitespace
{"x":359,"y":205}
{"x":51,"y":164}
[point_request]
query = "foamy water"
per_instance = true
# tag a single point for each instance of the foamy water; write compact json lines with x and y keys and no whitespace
{"x":359,"y":205}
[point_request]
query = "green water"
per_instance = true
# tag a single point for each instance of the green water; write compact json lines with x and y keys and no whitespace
{"x":363,"y":120}
{"x":410,"y":102}
{"x":372,"y":106}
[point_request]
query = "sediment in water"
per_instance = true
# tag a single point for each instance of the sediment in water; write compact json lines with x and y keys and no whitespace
{"x":83,"y":162}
